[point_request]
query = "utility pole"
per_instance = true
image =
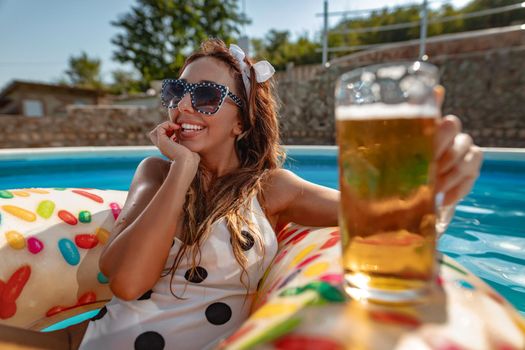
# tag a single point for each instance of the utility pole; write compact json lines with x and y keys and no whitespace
{"x":325,"y":33}
{"x":423,"y":31}
{"x":244,"y":41}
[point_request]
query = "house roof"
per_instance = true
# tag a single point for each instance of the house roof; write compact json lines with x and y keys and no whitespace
{"x":15,"y":84}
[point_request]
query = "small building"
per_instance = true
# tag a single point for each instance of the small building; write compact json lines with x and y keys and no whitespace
{"x":39,"y":99}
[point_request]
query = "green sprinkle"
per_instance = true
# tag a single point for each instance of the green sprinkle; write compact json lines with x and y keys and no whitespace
{"x":84,"y":216}
{"x":5,"y":194}
{"x":272,"y":333}
{"x":327,"y":291}
{"x":443,"y":262}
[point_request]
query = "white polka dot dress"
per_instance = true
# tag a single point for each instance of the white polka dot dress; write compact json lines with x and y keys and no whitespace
{"x":214,"y":300}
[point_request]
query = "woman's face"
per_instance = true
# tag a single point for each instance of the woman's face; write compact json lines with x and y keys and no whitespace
{"x":201,"y":133}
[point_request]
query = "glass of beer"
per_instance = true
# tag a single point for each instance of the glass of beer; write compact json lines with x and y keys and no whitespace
{"x":386,"y":119}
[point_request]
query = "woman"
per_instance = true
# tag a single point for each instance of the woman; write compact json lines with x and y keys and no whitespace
{"x":197,"y":231}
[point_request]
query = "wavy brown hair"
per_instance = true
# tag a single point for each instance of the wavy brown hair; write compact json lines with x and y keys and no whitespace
{"x":258,"y":148}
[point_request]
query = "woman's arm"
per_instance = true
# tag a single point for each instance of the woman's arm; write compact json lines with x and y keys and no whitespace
{"x":288,"y":198}
{"x":141,"y":238}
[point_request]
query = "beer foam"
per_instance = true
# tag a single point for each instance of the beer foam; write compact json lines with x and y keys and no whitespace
{"x":386,"y":111}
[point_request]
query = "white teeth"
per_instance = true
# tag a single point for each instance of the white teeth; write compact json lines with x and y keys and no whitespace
{"x":191,"y":127}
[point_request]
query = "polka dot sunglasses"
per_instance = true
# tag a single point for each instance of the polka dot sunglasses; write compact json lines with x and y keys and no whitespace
{"x":207,"y":97}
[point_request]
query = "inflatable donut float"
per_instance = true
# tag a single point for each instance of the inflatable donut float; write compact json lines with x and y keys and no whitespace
{"x":51,"y":239}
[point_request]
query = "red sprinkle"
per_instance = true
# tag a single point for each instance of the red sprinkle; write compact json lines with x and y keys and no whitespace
{"x":330,"y":243}
{"x":307,"y":261}
{"x":56,"y":309}
{"x":394,"y":318}
{"x":7,"y":309}
{"x":299,"y":237}
{"x":302,"y":342}
{"x":86,"y":240}
{"x":115,"y":209}
{"x":333,"y":278}
{"x":281,"y":256}
{"x":87,"y":298}
{"x":285,"y":234}
{"x":34,"y":245}
{"x":335,"y":233}
{"x":89,"y":195}
{"x":67,"y":217}
{"x":16,"y":284}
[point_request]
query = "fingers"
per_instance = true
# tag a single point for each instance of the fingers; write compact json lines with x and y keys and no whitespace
{"x":461,"y":190}
{"x":448,"y":128}
{"x":458,"y":181}
{"x":460,"y":147}
{"x":439,"y":95}
{"x":164,"y":130}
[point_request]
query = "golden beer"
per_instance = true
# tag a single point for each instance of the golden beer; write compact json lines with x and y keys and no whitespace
{"x":387,"y":210}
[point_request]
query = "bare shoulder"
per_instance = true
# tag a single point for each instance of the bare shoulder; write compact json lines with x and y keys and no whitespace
{"x":151,"y":170}
{"x":279,"y":188}
{"x":289,"y":198}
{"x":281,"y":180}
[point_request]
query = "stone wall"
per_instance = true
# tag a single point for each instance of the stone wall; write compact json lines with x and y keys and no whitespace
{"x":482,"y":72}
{"x":84,"y":126}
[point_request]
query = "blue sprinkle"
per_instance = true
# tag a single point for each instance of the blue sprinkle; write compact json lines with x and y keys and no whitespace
{"x":465,"y":284}
{"x":69,"y":251}
{"x":101,"y":278}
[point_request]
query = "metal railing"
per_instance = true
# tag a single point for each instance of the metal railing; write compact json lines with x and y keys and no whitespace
{"x":423,"y":22}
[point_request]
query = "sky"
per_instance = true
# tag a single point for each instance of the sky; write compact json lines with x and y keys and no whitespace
{"x":37,"y":37}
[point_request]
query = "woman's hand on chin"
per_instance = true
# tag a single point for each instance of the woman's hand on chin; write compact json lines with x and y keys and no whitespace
{"x":164,"y":137}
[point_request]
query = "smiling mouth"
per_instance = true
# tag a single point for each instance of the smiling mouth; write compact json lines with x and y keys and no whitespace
{"x":190,"y":129}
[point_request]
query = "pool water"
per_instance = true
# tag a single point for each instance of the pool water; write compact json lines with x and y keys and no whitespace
{"x":487,"y":234}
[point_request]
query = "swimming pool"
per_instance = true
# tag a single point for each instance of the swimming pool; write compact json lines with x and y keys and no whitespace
{"x":487,"y":234}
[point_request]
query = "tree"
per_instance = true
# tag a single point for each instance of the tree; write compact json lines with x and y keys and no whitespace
{"x":158,"y":34}
{"x":84,"y":71}
{"x":124,"y":82}
{"x":279,"y":49}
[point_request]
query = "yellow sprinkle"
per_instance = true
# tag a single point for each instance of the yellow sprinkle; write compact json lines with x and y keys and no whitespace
{"x":102,"y":235}
{"x":316,"y":269}
{"x":302,"y":254}
{"x":15,"y":240}
{"x":37,"y":190}
{"x":20,"y":193}
{"x":270,"y":310}
{"x":45,"y":209}
{"x":19,"y":212}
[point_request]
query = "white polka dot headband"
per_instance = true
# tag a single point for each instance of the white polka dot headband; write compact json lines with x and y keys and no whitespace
{"x":263,"y":69}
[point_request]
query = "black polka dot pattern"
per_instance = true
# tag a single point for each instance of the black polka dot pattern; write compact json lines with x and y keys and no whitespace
{"x":150,"y":341}
{"x":100,"y":314}
{"x":249,"y":241}
{"x":199,"y":275}
{"x":218,"y":313}
{"x":146,"y":295}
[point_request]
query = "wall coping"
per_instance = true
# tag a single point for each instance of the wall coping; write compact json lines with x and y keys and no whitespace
{"x":490,"y":153}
